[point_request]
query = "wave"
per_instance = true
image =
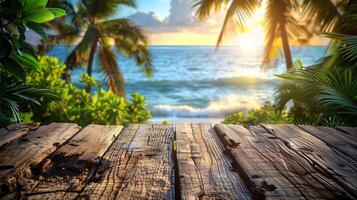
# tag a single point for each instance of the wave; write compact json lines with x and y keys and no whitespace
{"x":237,"y":82}
{"x":215,"y":109}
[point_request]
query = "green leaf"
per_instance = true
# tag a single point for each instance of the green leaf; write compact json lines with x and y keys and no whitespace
{"x":28,"y":61}
{"x":39,"y":15}
{"x":57,"y":12}
{"x":38,"y":29}
{"x":31,"y":4}
{"x":13,"y":68}
{"x":298,"y":65}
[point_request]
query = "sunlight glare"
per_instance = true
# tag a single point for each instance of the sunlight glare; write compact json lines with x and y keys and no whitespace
{"x":254,"y":34}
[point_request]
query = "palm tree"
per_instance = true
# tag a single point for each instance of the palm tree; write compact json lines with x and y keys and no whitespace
{"x":337,"y":21}
{"x":90,"y":28}
{"x":280,"y":21}
{"x":327,"y":90}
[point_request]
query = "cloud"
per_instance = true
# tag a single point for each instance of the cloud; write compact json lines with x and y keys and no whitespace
{"x":181,"y":18}
{"x":180,"y":12}
{"x":150,"y":19}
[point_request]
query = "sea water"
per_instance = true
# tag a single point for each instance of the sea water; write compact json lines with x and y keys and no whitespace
{"x":202,"y":82}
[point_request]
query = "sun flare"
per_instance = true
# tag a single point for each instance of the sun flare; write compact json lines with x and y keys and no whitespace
{"x":254,"y":33}
{"x":251,"y":38}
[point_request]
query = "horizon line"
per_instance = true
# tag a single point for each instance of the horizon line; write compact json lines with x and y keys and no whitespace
{"x":209,"y":45}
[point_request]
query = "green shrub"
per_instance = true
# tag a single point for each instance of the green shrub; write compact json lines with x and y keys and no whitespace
{"x":77,"y":106}
{"x":264,"y":115}
{"x":17,"y":57}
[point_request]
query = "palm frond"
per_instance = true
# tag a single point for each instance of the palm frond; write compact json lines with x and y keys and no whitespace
{"x":324,"y":13}
{"x":347,"y":45}
{"x":111,"y":69}
{"x":103,"y":9}
{"x":237,"y":13}
{"x":332,"y":92}
{"x":122,"y":28}
{"x":130,"y":41}
{"x":12,"y":94}
{"x":205,"y":7}
{"x":236,"y":16}
{"x":80,"y":53}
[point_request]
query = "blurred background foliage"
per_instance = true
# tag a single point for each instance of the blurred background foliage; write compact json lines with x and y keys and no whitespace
{"x":78,"y":106}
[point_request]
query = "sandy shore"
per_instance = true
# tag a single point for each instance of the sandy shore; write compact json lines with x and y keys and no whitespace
{"x":187,"y":120}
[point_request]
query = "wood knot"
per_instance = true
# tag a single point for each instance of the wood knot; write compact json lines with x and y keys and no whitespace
{"x":233,"y":143}
{"x":255,"y":176}
{"x":268,"y":187}
{"x":57,"y":144}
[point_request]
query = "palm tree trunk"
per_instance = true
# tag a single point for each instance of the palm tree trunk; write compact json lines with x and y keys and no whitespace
{"x":90,"y":62}
{"x":286,"y":48}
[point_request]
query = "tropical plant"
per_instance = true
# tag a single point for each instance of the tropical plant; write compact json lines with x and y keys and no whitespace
{"x":319,"y":95}
{"x":280,"y":22}
{"x":338,"y":21}
{"x":90,"y":22}
{"x":267,"y":114}
{"x":326,"y":92}
{"x":78,"y":106}
{"x":17,"y":57}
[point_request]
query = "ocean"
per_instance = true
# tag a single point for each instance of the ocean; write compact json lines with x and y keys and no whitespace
{"x":200,"y":82}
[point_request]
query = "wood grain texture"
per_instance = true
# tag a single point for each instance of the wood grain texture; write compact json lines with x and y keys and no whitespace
{"x":338,"y":140}
{"x":23,"y":155}
{"x":8,"y":136}
{"x":137,"y":166}
{"x":350,"y":130}
{"x":330,"y":163}
{"x":295,"y":168}
{"x":258,"y":164}
{"x":16,"y":131}
{"x":205,"y":171}
{"x":182,"y":161}
{"x":70,"y":167}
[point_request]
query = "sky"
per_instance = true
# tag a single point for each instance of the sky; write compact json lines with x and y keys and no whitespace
{"x":173,"y":22}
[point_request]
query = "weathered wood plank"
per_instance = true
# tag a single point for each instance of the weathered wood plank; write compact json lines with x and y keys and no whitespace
{"x":8,"y":136}
{"x":205,"y":171}
{"x":296,"y":169}
{"x":16,"y":131}
{"x":21,"y":156}
{"x":136,"y":166}
{"x":336,"y":139}
{"x":260,"y":164}
{"x":350,"y":130}
{"x":69,"y":168}
{"x":330,"y":163}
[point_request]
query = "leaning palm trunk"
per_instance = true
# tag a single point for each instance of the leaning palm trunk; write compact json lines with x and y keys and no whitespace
{"x":286,"y":48}
{"x":90,"y":63}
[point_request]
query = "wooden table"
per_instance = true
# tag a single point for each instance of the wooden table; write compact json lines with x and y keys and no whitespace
{"x":178,"y":161}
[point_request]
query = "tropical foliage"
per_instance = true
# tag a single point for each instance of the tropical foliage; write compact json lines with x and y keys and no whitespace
{"x":327,"y":92}
{"x":267,"y":114}
{"x":319,"y":96}
{"x":78,"y":106}
{"x":91,"y":23}
{"x":18,"y":58}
